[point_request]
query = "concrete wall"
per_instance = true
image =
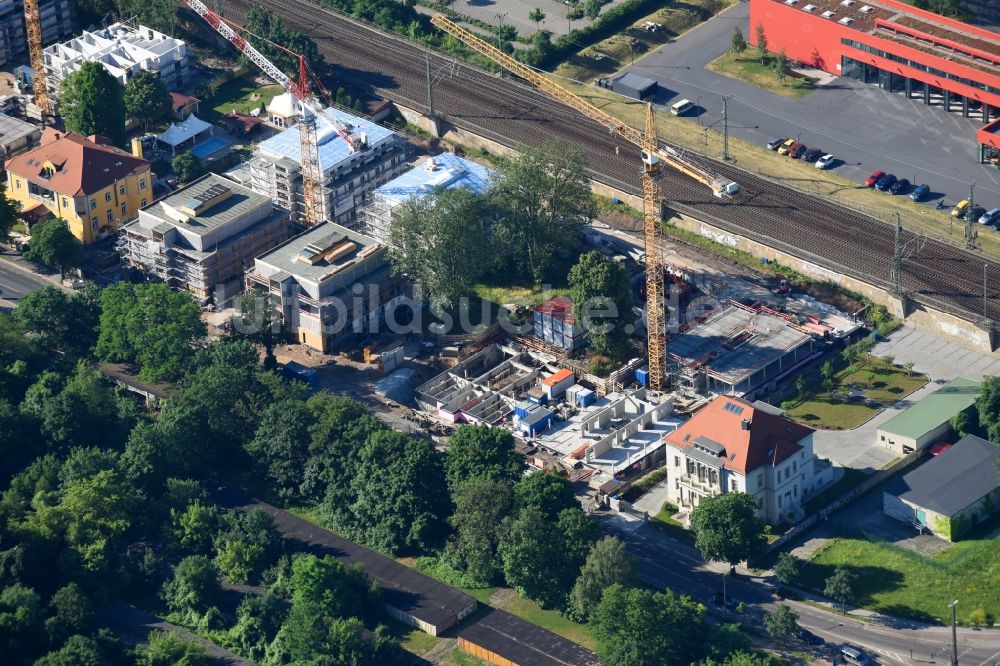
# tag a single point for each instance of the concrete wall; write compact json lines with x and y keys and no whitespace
{"x":895,"y":442}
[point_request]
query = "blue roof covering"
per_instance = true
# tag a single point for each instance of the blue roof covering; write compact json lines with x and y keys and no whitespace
{"x":444,"y":171}
{"x":332,"y":148}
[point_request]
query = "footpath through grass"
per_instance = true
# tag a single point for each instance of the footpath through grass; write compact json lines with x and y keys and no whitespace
{"x":858,"y":392}
{"x":899,"y":582}
{"x":749,"y":68}
{"x":618,"y":51}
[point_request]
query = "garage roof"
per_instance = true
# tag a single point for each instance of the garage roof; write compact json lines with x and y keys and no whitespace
{"x":933,"y":410}
{"x":955,"y":479}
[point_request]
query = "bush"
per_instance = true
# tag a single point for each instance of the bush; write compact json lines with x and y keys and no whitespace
{"x":600,"y":366}
{"x":977,"y":618}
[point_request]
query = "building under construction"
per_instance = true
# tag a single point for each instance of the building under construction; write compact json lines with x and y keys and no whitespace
{"x":55,"y":22}
{"x":349,"y":173}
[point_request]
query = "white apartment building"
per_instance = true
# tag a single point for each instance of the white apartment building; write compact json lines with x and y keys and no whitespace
{"x":734,"y":446}
{"x":350,"y":172}
{"x":56,"y":20}
{"x":124,"y":51}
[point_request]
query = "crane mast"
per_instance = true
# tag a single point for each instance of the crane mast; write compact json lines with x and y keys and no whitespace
{"x":312,"y":109}
{"x":656,"y":319}
{"x":33,"y":26}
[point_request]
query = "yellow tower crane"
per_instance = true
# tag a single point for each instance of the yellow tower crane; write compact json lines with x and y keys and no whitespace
{"x":653,"y":156}
{"x":33,"y":26}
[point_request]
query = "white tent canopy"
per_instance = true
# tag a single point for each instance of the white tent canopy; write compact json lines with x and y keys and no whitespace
{"x":188,"y":129}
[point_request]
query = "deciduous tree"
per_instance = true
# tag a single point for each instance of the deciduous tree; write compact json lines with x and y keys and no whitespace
{"x":536,"y":15}
{"x":91,"y":101}
{"x":146,"y":98}
{"x":787,"y":568}
{"x":726,"y":528}
{"x":760,"y":38}
{"x":781,"y":623}
{"x":840,"y":587}
{"x":194,"y":587}
{"x":988,"y":405}
{"x":480,"y":520}
{"x":67,"y":322}
{"x":545,"y":491}
{"x":187,"y":167}
{"x":737,"y":44}
{"x":9,"y":208}
{"x":607,"y":564}
{"x":602,"y":302}
{"x":53,"y":244}
{"x":476,"y":452}
{"x":592,"y":8}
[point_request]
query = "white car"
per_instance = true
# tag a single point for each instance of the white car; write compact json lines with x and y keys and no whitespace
{"x":825,"y":162}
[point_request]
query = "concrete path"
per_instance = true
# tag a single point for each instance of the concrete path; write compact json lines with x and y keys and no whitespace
{"x":864,"y":126}
{"x":653,"y":500}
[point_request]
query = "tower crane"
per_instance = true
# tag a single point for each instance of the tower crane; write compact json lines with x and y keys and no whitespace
{"x":654,"y":156}
{"x":33,"y":26}
{"x":311,"y":108}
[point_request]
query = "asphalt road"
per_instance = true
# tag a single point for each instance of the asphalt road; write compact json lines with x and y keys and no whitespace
{"x":865,"y":127}
{"x":17,"y":282}
{"x":670,"y":562}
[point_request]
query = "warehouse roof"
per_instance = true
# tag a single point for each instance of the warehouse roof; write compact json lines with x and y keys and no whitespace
{"x":934,"y":410}
{"x":333,"y":149}
{"x":520,"y":642}
{"x":955,"y":479}
{"x":441,"y":172}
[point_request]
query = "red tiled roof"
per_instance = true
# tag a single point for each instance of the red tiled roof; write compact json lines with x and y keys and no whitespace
{"x":769,"y":440}
{"x":83,"y":165}
{"x":558,"y":307}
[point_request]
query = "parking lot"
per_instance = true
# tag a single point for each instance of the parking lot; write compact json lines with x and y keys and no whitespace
{"x":867,"y":128}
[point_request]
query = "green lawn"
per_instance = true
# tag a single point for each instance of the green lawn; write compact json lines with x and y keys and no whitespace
{"x":886,"y":385}
{"x":900,"y":582}
{"x":665,"y":521}
{"x":520,"y":295}
{"x":748,"y":68}
{"x":241,"y":94}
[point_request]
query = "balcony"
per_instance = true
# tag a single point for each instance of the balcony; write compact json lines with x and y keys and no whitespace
{"x":700,"y":485}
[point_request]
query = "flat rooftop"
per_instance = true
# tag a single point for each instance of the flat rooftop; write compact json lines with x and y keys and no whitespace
{"x":735,"y":341}
{"x":320,"y":252}
{"x":934,"y":410}
{"x":206,"y":204}
{"x":333,"y":149}
{"x":442,"y":172}
{"x":520,"y":642}
{"x":14,"y":129}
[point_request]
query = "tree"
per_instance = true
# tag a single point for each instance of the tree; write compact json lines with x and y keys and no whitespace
{"x":536,"y":15}
{"x":258,"y":620}
{"x":165,"y":648}
{"x":258,"y":323}
{"x":482,"y":510}
{"x":9,"y":208}
{"x":988,"y":405}
{"x":194,"y":587}
{"x":187,"y":167}
{"x":638,"y":627}
{"x":150,"y":325}
{"x":967,"y":422}
{"x":592,"y":8}
{"x":67,"y":322}
{"x":77,"y":650}
{"x":737,"y":44}
{"x":20,"y":622}
{"x":192,"y":529}
{"x":828,"y":374}
{"x":602,"y":302}
{"x":533,"y":560}
{"x":477,"y":452}
{"x":53,"y":244}
{"x":761,"y":40}
{"x":727,"y":529}
{"x":781,"y":66}
{"x":787,"y":568}
{"x":439,"y":241}
{"x":543,"y":198}
{"x":70,"y":612}
{"x":280,"y":446}
{"x":607,"y":564}
{"x":545,"y":491}
{"x":840,"y":587}
{"x":801,"y":386}
{"x":146,"y":98}
{"x":782,"y":623}
{"x":91,"y":101}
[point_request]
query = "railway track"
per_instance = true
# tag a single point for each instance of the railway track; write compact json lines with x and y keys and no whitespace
{"x":837,"y":238}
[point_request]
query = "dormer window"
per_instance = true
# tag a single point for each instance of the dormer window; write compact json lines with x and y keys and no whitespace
{"x":48,"y":171}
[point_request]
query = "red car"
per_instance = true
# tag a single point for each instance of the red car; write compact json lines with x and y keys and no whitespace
{"x":874,"y":178}
{"x":797,"y":150}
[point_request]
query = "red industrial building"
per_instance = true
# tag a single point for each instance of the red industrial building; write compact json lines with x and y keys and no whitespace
{"x":942,"y":61}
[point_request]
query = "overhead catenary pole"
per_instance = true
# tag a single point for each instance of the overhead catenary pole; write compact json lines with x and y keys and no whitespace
{"x":430,"y":87}
{"x":971,"y":234}
{"x":897,"y":258}
{"x":725,"y":128}
{"x":954,"y":634}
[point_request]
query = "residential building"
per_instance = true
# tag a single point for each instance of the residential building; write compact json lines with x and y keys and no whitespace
{"x":124,"y":50}
{"x":86,"y":181}
{"x":732,"y":445}
{"x":204,"y":236}
{"x":928,"y":421}
{"x":555,"y":324}
{"x":952,"y":492}
{"x":434,"y":174}
{"x":350,"y":169}
{"x":16,"y":135}
{"x":56,"y":18}
{"x":892,"y":44}
{"x":330,"y":284}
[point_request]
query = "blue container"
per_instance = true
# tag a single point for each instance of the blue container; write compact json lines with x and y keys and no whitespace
{"x":586,"y":398}
{"x":521,"y":410}
{"x":642,"y":375}
{"x":537,"y":397}
{"x":298,"y":372}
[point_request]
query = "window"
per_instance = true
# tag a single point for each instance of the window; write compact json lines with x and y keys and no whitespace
{"x":110,"y":216}
{"x":760,"y":481}
{"x":65,"y":203}
{"x":18,"y":186}
{"x":143,"y":203}
{"x":142,"y":183}
{"x":93,"y":223}
{"x":93,"y":203}
{"x":732,"y":485}
{"x":121,"y":190}
{"x":795,"y":490}
{"x":677,"y":461}
{"x":125,"y":212}
{"x":795,"y":467}
{"x":779,"y":501}
{"x":107,"y":196}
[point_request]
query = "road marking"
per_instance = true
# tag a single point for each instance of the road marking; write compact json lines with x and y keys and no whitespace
{"x":992,"y":659}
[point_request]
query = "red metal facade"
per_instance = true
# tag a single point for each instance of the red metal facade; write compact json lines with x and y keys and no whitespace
{"x":816,"y":41}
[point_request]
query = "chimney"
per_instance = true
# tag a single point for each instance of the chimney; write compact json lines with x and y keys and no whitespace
{"x":137,"y":147}
{"x":745,"y":424}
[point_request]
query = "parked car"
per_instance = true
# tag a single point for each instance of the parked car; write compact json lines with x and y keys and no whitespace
{"x":874,"y":178}
{"x":853,"y":655}
{"x":920,"y":192}
{"x":885,"y":182}
{"x":812,"y":155}
{"x":810,"y":638}
{"x":718,"y":600}
{"x":786,"y":146}
{"x":796,"y":151}
{"x":774,"y":144}
{"x":825,"y":162}
{"x":959,"y":209}
{"x":900,"y":186}
{"x":992,"y":216}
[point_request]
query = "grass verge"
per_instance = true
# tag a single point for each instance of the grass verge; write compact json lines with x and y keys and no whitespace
{"x":411,"y":639}
{"x":749,"y":69}
{"x":665,"y":521}
{"x":897,"y":581}
{"x":241,"y":94}
{"x":876,"y":380}
{"x":517,"y":294}
{"x":611,"y":54}
{"x":806,"y":177}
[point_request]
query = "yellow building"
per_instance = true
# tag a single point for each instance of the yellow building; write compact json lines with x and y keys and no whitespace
{"x":86,"y":181}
